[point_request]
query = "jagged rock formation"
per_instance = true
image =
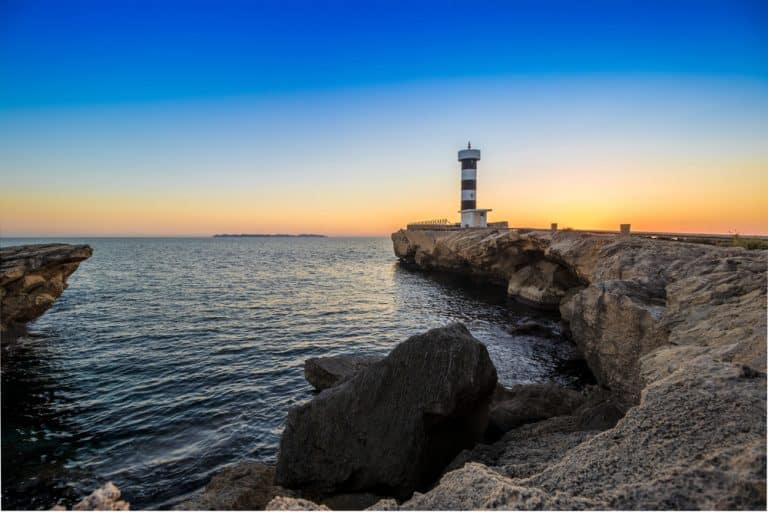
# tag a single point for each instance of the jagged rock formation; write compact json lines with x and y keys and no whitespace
{"x":288,"y":503}
{"x":675,"y":330}
{"x":244,"y":486}
{"x":106,"y":497}
{"x":622,"y":298}
{"x":326,"y":372}
{"x":393,"y":427}
{"x":33,"y":276}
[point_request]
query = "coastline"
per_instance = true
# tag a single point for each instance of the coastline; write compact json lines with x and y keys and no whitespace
{"x":674,"y":334}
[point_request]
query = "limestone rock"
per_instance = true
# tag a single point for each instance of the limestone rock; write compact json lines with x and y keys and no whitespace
{"x":326,"y":372}
{"x":289,"y":503}
{"x":614,"y":323}
{"x":393,"y":426}
{"x":695,"y":441}
{"x":531,"y":447}
{"x":529,"y":403}
{"x":33,"y":276}
{"x":350,"y":501}
{"x":718,"y":304}
{"x":476,"y":487}
{"x":385,"y":504}
{"x":705,"y":412}
{"x":244,"y":486}
{"x":677,"y":331}
{"x":106,"y":497}
{"x":541,"y":283}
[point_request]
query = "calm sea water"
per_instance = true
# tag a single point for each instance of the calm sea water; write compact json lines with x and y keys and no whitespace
{"x":167,"y":359}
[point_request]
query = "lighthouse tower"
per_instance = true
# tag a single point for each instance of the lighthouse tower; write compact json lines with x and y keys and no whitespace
{"x":471,"y":216}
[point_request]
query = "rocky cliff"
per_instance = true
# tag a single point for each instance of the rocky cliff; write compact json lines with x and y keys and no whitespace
{"x":33,"y":276}
{"x":622,"y":298}
{"x":676,"y":331}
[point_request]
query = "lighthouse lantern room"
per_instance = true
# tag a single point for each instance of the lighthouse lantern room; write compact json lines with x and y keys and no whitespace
{"x":471,"y":216}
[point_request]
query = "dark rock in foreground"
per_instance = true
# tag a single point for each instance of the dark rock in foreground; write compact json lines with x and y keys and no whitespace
{"x":326,"y":372}
{"x":391,"y":428}
{"x":33,"y":276}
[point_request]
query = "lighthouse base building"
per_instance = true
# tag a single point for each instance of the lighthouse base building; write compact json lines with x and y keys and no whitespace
{"x":471,"y":216}
{"x":476,"y":218}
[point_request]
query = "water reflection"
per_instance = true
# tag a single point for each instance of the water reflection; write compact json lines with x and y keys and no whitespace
{"x":38,"y":437}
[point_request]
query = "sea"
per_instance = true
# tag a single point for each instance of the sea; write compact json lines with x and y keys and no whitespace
{"x":168,"y":359}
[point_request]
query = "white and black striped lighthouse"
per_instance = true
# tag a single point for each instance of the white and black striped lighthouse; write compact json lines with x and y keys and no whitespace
{"x":471,"y":216}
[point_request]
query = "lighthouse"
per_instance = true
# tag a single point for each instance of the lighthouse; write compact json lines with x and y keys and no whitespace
{"x":471,"y":216}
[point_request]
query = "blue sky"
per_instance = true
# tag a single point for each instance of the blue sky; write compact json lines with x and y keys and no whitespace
{"x":72,"y":52}
{"x":246,"y":107}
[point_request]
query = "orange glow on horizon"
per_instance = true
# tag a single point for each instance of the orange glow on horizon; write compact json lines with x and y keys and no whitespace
{"x":710,"y":203}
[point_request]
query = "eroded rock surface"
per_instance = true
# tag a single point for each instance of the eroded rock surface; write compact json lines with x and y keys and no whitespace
{"x":696,"y":441}
{"x":244,"y":486}
{"x":529,"y":403}
{"x":106,"y":497}
{"x":289,"y":503}
{"x":33,"y":276}
{"x":675,"y":330}
{"x":392,"y":427}
{"x":326,"y":372}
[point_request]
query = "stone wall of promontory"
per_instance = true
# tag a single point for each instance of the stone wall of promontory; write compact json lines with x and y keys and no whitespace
{"x":676,"y":331}
{"x":32,"y":277}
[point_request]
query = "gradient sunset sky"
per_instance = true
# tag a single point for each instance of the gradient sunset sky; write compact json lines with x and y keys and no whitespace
{"x":344,"y":118}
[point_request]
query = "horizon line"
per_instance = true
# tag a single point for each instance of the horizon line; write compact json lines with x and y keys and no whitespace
{"x":375,"y":235}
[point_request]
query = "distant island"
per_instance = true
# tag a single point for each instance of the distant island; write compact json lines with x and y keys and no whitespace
{"x":265,"y":235}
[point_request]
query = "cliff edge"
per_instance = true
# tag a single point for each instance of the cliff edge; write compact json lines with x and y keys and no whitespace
{"x":676,"y":331}
{"x":33,"y":276}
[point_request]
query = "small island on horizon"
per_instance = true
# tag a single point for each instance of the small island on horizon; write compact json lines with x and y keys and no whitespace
{"x":268,"y":235}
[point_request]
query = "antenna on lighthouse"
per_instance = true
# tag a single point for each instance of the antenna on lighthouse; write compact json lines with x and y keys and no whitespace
{"x":469,"y":145}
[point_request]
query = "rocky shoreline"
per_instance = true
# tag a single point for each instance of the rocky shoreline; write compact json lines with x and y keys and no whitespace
{"x":674,"y":331}
{"x":675,"y":334}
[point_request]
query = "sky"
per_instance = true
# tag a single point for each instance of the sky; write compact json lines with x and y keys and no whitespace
{"x":192,"y":118}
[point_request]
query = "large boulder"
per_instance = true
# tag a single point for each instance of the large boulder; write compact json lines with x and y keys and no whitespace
{"x":392,"y":427}
{"x":326,"y":372}
{"x":33,"y":276}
